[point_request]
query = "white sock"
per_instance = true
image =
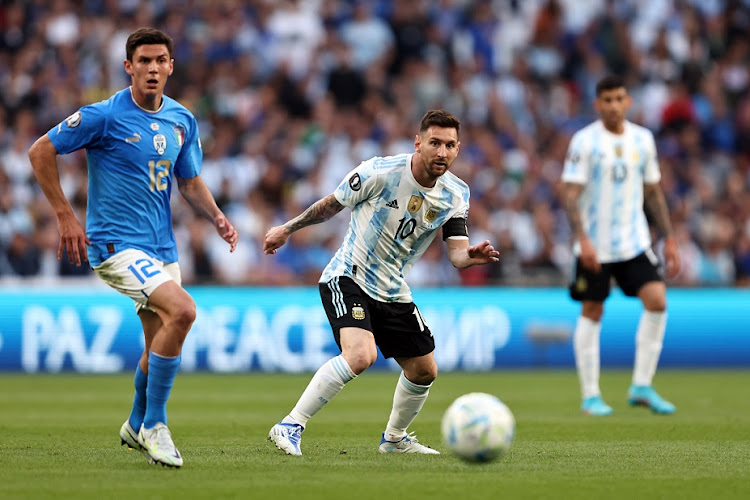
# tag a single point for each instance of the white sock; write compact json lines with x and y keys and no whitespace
{"x":325,"y":384}
{"x":586,"y":348}
{"x":648,"y":342}
{"x":408,"y":399}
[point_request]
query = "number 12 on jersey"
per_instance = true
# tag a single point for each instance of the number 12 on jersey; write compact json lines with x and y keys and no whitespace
{"x":159,"y":178}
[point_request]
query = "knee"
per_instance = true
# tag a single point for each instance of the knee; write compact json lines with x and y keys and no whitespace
{"x":593,"y":311}
{"x":656,"y":305}
{"x":360,"y":359}
{"x":423,"y":375}
{"x":183,"y":317}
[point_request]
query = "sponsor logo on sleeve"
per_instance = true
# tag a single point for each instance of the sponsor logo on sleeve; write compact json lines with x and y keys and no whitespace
{"x":73,"y":120}
{"x":355,"y":182}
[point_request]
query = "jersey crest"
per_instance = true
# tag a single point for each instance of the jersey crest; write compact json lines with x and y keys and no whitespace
{"x":415,"y":203}
{"x":160,"y":143}
{"x":431,"y":214}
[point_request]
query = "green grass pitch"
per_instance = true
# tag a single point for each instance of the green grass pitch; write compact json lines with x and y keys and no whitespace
{"x":59,"y":439}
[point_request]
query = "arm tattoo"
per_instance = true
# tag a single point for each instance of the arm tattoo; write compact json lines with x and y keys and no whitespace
{"x":318,"y":212}
{"x":572,"y":194}
{"x":657,"y":207}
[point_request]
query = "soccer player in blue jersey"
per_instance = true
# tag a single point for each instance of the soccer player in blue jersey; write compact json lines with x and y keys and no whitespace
{"x":610,"y":172}
{"x":137,"y":143}
{"x":398,"y":205}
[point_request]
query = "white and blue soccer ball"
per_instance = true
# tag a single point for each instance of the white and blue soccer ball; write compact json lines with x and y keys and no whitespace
{"x":478,"y":427}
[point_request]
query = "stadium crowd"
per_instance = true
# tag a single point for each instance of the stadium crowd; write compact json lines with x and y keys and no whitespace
{"x":292,"y":94}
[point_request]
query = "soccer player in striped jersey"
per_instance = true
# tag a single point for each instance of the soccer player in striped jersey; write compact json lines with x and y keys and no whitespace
{"x":611,"y":170}
{"x":136,"y":143}
{"x":398,"y":203}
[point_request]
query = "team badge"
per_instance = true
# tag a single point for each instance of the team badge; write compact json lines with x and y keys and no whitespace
{"x":160,"y":143}
{"x":415,"y":203}
{"x":358,"y":312}
{"x":619,"y":172}
{"x":618,"y":150}
{"x":73,"y":120}
{"x":431,"y":215}
{"x":572,"y":157}
{"x":355,"y":182}
{"x":154,"y":126}
{"x":179,"y":134}
{"x":581,"y":284}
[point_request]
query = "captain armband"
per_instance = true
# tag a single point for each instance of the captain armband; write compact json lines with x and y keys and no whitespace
{"x":455,"y":227}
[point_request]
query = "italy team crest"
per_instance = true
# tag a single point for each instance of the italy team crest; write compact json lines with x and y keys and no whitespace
{"x":179,"y":134}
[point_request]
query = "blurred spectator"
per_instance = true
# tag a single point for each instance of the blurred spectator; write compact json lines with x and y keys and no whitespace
{"x":291,"y":95}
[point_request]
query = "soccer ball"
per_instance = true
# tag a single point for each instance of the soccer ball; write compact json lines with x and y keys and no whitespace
{"x":478,"y":427}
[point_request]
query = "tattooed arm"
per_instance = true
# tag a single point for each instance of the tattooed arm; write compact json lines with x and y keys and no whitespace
{"x":657,"y":207}
{"x":318,"y":212}
{"x":588,"y":252}
{"x":653,"y":198}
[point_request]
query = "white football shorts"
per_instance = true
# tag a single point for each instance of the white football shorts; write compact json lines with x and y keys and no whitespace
{"x":133,"y":273}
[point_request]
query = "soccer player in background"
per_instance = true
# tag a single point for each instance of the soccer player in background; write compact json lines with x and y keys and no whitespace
{"x":398,"y":204}
{"x":135,"y":141}
{"x":610,"y":170}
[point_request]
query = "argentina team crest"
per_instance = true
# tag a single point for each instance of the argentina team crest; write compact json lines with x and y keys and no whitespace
{"x":415,"y":203}
{"x":160,"y":143}
{"x":581,"y":284}
{"x":431,"y":215}
{"x":358,"y":312}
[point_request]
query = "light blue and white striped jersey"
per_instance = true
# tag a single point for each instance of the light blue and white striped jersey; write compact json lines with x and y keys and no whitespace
{"x":613,"y":169}
{"x":394,"y":219}
{"x":131,"y":155}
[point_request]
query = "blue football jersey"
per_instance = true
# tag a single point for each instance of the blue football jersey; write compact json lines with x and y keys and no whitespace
{"x":132,"y":155}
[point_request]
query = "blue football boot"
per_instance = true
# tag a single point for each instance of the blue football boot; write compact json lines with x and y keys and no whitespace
{"x":645,"y":395}
{"x":596,"y":406}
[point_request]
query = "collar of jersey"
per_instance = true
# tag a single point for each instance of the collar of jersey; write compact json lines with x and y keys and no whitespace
{"x":141,"y":107}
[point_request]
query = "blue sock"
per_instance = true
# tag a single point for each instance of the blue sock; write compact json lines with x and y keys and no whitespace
{"x":161,"y":374}
{"x":139,"y":401}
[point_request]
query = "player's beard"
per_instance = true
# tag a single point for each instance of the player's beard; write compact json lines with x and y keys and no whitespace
{"x":436,"y":169}
{"x":613,"y":120}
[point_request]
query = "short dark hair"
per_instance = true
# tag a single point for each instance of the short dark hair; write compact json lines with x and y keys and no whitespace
{"x":146,"y":36}
{"x":610,"y":82}
{"x":439,"y":118}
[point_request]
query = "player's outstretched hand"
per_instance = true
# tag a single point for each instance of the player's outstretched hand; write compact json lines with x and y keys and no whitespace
{"x":227,"y":231}
{"x":672,"y":256}
{"x":73,"y":239}
{"x":275,"y":238}
{"x":483,"y":253}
